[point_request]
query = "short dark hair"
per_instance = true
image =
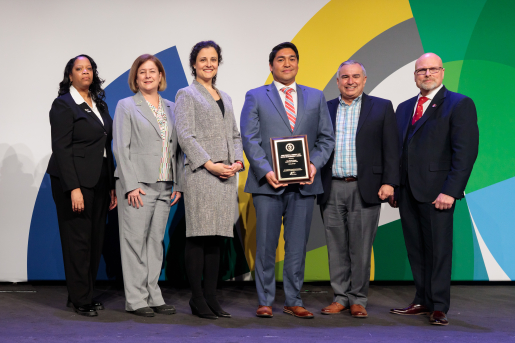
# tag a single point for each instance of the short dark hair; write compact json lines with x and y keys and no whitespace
{"x":196,"y":49}
{"x":281,"y":46}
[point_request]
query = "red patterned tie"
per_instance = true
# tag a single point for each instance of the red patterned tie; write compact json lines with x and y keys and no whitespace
{"x":420,"y":110}
{"x":288,"y":105}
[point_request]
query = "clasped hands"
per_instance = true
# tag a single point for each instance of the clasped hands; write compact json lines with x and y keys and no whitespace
{"x":221,"y":170}
{"x":272,"y":180}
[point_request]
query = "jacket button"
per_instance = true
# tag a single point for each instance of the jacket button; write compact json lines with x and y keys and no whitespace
{"x":105,"y":133}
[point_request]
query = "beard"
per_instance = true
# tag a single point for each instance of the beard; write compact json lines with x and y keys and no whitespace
{"x":427,"y":86}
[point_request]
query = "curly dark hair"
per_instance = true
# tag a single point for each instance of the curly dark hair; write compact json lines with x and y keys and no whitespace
{"x":95,"y":89}
{"x":196,"y":49}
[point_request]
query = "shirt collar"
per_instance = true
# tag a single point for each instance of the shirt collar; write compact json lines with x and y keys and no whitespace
{"x":431,"y":94}
{"x":78,"y":98}
{"x":279,"y":85}
{"x":354,"y":102}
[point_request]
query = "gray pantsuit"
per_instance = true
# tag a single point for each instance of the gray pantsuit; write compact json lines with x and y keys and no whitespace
{"x":137,"y":146}
{"x":141,"y":243}
{"x":350,"y":230}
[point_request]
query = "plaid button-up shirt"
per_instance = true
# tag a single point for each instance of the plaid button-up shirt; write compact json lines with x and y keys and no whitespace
{"x":347,"y":116}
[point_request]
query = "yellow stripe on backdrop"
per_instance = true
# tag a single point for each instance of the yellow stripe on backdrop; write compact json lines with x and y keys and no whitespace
{"x":331,"y":36}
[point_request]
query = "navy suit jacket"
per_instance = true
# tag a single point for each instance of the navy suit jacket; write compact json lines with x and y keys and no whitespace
{"x":442,"y":146}
{"x":376,"y":149}
{"x":264,"y":117}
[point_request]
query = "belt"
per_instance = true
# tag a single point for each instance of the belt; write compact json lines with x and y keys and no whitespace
{"x":346,"y":179}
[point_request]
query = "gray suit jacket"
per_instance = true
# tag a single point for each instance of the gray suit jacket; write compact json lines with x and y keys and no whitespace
{"x":137,"y":143}
{"x":263,"y":117}
{"x":203,"y":133}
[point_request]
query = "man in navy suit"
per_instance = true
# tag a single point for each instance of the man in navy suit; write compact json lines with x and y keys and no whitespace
{"x":439,"y":137}
{"x":361,"y":173}
{"x":280,"y":109}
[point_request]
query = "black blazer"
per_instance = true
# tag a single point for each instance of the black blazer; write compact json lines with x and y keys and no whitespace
{"x":376,"y":149}
{"x":442,"y":146}
{"x":78,"y":142}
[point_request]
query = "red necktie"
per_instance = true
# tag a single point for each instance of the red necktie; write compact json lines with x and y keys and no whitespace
{"x":288,"y":105}
{"x":420,"y":110}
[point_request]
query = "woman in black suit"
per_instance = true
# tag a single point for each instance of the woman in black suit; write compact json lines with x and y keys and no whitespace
{"x":81,"y":172}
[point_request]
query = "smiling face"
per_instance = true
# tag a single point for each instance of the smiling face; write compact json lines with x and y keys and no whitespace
{"x":148,"y":77}
{"x":285,"y":66}
{"x":428,"y":81}
{"x":351,"y":82}
{"x":82,"y":73}
{"x":206,"y":65}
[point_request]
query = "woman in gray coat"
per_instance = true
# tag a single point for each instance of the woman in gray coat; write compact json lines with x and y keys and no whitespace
{"x":148,"y":180}
{"x":210,"y":139}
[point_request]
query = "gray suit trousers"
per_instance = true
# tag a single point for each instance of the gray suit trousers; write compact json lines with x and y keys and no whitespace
{"x":141,"y":243}
{"x":350,"y":230}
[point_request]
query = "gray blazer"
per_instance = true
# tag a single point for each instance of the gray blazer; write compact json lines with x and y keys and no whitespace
{"x":203,"y":132}
{"x":137,"y":143}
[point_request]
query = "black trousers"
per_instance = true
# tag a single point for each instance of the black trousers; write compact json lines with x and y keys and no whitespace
{"x":428,"y":237}
{"x":82,"y":235}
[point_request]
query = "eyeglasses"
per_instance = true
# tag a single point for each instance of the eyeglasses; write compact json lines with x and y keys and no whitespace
{"x":423,"y":71}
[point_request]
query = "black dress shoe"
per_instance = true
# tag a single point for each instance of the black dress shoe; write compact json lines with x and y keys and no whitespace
{"x":411,"y":310}
{"x":97,"y":305}
{"x":438,"y":318}
{"x":216,"y":308}
{"x":85,"y":310}
{"x":201,"y":309}
{"x":164,"y":309}
{"x":143,"y":312}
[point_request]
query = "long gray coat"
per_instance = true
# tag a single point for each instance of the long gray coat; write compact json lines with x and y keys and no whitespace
{"x":204,"y":134}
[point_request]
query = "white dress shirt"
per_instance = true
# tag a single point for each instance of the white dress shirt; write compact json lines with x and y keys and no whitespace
{"x":79,"y":100}
{"x":279,"y":85}
{"x":431,"y":95}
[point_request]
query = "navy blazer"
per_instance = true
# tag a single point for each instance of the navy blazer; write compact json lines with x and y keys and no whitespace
{"x":442,"y":147}
{"x":376,"y":149}
{"x":78,"y":143}
{"x":263,"y":117}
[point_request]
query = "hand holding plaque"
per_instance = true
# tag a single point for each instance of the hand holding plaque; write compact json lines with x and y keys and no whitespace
{"x":290,"y":158}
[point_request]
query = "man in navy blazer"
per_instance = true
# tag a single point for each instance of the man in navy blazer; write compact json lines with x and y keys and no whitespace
{"x":361,"y":173}
{"x":439,"y":137}
{"x":280,"y":109}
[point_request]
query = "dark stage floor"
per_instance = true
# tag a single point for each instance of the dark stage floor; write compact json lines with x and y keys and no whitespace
{"x":478,"y":314}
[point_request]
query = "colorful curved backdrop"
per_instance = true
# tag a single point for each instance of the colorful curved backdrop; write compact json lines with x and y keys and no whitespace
{"x":475,"y":40}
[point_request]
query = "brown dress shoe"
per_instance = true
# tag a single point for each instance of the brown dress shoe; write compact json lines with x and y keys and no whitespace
{"x":411,"y":310}
{"x":298,"y":311}
{"x":264,"y":311}
{"x":438,"y":318}
{"x":358,"y":311}
{"x":334,"y":308}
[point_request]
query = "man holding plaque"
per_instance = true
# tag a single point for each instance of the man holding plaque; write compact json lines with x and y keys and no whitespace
{"x":361,"y":173}
{"x":288,"y":111}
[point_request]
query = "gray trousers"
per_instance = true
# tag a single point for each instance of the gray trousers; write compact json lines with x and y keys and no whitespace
{"x":350,"y":229}
{"x":141,"y":243}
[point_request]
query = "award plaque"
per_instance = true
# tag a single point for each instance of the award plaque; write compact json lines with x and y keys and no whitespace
{"x":290,"y":158}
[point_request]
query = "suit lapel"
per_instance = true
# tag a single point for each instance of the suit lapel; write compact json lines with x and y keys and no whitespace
{"x":333,"y":109}
{"x":366,"y":106}
{"x":273,"y":94}
{"x":141,"y":105}
{"x":406,"y":116}
{"x":302,"y":100}
{"x":431,"y":109}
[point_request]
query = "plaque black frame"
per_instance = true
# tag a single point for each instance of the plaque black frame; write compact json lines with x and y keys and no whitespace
{"x":275,"y":158}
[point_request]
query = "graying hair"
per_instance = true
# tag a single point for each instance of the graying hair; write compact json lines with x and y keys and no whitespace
{"x":350,"y":62}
